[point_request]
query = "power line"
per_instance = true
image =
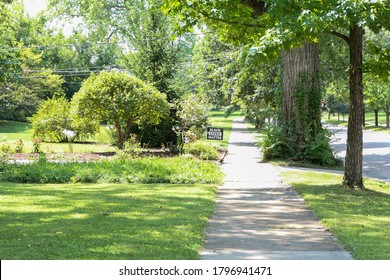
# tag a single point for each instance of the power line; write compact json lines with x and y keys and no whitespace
{"x":45,"y":47}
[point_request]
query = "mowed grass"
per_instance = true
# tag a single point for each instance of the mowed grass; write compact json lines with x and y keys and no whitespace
{"x":369,"y":118}
{"x":359,"y":219}
{"x":103,"y":221}
{"x":218,"y":119}
{"x":11,"y":131}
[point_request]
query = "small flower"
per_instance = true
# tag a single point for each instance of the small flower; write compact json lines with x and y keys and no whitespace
{"x":69,"y":133}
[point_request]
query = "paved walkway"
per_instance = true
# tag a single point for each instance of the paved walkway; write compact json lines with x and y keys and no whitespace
{"x":259,"y":217}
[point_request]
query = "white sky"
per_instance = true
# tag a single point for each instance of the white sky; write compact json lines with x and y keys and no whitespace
{"x":33,"y":7}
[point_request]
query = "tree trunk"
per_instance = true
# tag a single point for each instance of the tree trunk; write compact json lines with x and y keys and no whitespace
{"x":300,"y":84}
{"x":119,"y":134}
{"x":353,"y":174}
{"x":387,"y":117}
{"x":376,"y":111}
{"x":364,"y":116}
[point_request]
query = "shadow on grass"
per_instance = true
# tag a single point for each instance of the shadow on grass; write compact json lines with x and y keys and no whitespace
{"x":360,"y":219}
{"x":103,"y":221}
{"x":14,"y":127}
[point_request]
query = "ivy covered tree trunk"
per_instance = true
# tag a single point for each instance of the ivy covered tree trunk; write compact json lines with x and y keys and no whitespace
{"x":301,"y":93}
{"x":353,"y":174}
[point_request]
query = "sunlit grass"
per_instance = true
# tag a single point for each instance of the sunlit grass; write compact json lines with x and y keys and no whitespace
{"x":218,"y":119}
{"x":369,"y":121}
{"x":11,"y":131}
{"x":103,"y":221}
{"x":359,"y":219}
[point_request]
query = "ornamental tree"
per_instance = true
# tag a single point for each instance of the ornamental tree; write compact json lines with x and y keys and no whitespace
{"x":53,"y":122}
{"x":120,"y":99}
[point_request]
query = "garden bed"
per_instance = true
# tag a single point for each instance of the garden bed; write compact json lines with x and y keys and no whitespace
{"x":95,"y":156}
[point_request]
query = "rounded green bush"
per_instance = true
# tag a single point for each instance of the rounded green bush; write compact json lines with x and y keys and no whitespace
{"x":201,"y":149}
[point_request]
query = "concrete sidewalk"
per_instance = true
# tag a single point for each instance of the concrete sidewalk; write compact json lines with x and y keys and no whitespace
{"x":258,"y":217}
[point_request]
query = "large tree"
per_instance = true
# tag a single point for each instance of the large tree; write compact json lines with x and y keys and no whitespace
{"x":246,"y":22}
{"x":276,"y":24}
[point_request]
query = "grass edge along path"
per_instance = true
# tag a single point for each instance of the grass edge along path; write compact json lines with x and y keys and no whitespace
{"x":103,"y":221}
{"x":219,"y":120}
{"x":359,"y":219}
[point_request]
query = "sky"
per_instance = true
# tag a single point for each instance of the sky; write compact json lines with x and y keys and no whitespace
{"x":33,"y":7}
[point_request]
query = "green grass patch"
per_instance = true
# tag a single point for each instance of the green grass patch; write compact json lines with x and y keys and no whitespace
{"x":218,"y":119}
{"x":359,"y":219}
{"x":201,"y":149}
{"x":11,"y":131}
{"x":180,"y":170}
{"x":103,"y":221}
{"x":369,"y":118}
{"x":281,"y":162}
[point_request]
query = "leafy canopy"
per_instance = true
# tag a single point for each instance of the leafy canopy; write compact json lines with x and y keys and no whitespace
{"x":122,"y":100}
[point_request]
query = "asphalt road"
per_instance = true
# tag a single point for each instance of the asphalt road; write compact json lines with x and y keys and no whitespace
{"x":376,"y":152}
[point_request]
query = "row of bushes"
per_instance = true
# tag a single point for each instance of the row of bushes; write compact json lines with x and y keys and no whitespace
{"x":138,"y":170}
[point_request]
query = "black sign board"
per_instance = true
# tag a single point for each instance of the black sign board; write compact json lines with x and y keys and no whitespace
{"x":214,"y":133}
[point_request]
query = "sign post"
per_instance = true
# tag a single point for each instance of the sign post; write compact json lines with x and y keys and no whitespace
{"x":214,"y":133}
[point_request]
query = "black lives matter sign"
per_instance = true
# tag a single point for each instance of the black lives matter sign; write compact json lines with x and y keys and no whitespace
{"x":214,"y":133}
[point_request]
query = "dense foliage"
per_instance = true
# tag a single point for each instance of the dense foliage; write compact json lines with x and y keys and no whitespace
{"x":54,"y":122}
{"x":120,"y":99}
{"x":192,"y":113}
{"x":141,"y":170}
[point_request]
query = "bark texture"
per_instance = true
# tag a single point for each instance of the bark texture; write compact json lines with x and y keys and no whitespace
{"x":300,"y":81}
{"x":353,"y":174}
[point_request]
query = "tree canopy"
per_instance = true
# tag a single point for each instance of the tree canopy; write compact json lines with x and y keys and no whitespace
{"x":120,"y":99}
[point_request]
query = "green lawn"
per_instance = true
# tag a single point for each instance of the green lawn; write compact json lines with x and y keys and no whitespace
{"x":359,"y":219}
{"x":11,"y":131}
{"x":218,"y":119}
{"x":103,"y":221}
{"x":370,"y":121}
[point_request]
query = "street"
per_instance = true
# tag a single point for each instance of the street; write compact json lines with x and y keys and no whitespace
{"x":376,"y":151}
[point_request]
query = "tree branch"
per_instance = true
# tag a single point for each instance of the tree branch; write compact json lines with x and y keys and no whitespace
{"x":258,"y":7}
{"x":340,"y":35}
{"x":210,"y":17}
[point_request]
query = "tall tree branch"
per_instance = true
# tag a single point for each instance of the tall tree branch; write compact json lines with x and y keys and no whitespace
{"x":230,"y":22}
{"x":340,"y":35}
{"x":258,"y":7}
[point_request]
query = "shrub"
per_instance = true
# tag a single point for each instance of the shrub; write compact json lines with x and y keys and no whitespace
{"x":278,"y":143}
{"x":192,"y":112}
{"x":121,"y":99}
{"x":5,"y":149}
{"x":36,"y":145}
{"x":201,"y":149}
{"x":131,"y":148}
{"x":53,"y":122}
{"x":19,"y":147}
